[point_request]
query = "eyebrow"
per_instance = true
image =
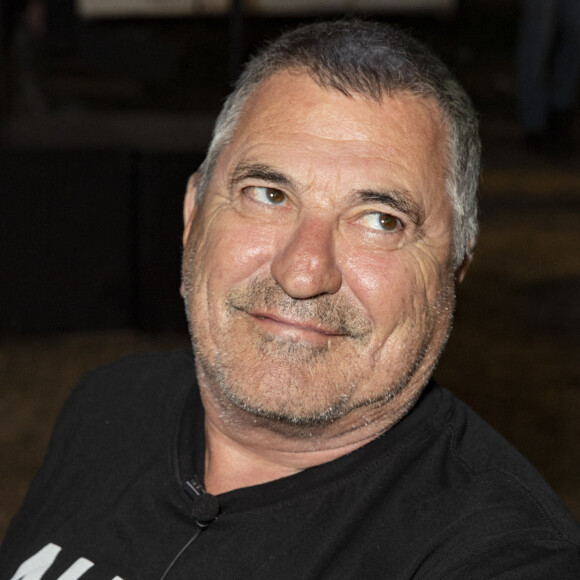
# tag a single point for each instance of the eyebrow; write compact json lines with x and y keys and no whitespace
{"x":398,"y":199}
{"x":262,"y":171}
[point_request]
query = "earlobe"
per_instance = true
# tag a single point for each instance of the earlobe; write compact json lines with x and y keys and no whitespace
{"x":189,"y":205}
{"x":461,"y":270}
{"x":463,"y":267}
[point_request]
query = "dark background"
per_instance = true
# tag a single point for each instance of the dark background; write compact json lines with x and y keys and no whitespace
{"x":103,"y":121}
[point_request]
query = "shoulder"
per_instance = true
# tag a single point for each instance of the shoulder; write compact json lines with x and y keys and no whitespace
{"x":139,"y":369}
{"x":118,"y":427}
{"x":126,"y":402}
{"x":505,"y":509}
{"x":143,"y":377}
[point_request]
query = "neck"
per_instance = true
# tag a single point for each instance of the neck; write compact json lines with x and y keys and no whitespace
{"x":243,"y":450}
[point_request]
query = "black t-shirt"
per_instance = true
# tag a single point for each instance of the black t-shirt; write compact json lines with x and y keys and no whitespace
{"x":439,"y":496}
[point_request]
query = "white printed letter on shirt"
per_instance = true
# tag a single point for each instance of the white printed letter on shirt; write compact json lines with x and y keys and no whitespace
{"x":35,"y":567}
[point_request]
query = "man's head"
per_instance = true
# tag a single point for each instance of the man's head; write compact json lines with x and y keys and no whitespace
{"x":320,"y":247}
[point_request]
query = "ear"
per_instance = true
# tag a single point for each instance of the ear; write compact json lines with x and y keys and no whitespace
{"x":462,"y":270}
{"x":189,"y":205}
{"x":464,"y":266}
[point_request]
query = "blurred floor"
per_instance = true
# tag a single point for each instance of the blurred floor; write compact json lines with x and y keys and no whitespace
{"x":514,"y":352}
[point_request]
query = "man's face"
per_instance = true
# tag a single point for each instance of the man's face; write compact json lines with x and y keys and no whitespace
{"x":318,"y":267}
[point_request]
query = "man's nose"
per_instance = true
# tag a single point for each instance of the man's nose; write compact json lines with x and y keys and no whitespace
{"x":305,"y":264}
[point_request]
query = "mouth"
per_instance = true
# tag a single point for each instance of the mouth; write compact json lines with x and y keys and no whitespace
{"x":275,"y":324}
{"x":282,"y":322}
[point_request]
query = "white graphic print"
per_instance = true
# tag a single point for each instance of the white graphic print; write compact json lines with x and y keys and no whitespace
{"x":35,"y":567}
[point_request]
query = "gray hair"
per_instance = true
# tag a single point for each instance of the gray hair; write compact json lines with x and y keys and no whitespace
{"x":370,"y":59}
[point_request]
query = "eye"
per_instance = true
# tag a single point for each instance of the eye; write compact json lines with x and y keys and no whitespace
{"x":382,"y":221}
{"x":267,"y":195}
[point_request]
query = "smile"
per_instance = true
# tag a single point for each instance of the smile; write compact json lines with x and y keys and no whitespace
{"x":280,"y":325}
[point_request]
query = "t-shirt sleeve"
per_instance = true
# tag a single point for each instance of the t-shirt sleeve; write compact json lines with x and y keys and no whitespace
{"x":524,"y":558}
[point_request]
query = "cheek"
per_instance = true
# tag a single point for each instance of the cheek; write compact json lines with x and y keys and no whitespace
{"x":383,"y":284}
{"x":392,"y":287}
{"x":232,"y":253}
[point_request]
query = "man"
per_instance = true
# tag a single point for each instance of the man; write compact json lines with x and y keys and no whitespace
{"x":324,"y":235}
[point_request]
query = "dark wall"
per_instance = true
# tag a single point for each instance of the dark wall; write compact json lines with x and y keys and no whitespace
{"x":91,"y":239}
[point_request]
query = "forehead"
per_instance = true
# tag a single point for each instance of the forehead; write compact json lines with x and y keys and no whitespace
{"x":290,"y":120}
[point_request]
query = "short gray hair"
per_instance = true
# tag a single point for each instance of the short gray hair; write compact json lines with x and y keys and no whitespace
{"x":373,"y":60}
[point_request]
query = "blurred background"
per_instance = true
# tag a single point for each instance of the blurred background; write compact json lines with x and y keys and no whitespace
{"x":106,"y":107}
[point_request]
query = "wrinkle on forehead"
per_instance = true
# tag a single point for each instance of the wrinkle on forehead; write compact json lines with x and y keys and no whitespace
{"x":347,"y":120}
{"x":270,"y":100}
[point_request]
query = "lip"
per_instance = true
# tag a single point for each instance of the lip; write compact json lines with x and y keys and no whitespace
{"x":282,"y":323}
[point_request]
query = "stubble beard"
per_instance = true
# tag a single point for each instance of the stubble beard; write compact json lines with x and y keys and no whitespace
{"x":276,"y":378}
{"x":288,"y":385}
